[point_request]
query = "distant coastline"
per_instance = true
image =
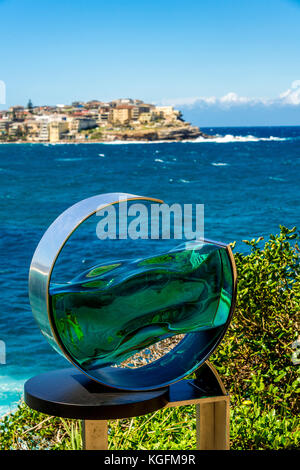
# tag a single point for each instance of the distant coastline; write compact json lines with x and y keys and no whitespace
{"x":129,"y":120}
{"x":157,"y":135}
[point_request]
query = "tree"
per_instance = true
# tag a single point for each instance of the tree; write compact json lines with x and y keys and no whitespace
{"x":30,"y":106}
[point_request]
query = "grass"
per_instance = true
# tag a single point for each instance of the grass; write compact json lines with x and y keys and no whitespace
{"x":254,"y":361}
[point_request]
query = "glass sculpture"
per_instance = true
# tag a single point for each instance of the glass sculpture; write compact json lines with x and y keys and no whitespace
{"x":113,"y":311}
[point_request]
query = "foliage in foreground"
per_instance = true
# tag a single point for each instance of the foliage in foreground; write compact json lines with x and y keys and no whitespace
{"x":254,"y":361}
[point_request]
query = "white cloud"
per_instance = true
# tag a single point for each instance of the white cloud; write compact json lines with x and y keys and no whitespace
{"x":290,"y":97}
{"x":188,"y":101}
{"x":210,"y":100}
{"x":233,"y":98}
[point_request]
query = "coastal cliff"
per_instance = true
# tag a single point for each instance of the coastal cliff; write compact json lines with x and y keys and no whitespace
{"x":168,"y":133}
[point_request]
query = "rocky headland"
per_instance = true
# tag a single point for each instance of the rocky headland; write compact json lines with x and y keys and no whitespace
{"x":164,"y":133}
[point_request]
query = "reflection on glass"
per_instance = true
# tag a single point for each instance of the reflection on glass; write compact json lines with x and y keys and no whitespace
{"x":107,"y":314}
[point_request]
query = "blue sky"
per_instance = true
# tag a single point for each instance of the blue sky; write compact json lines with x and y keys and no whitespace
{"x":222,"y":55}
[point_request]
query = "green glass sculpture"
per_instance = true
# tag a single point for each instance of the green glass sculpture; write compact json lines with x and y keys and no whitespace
{"x":109,"y":313}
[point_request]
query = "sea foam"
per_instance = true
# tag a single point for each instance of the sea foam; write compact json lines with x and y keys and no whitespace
{"x":229,"y":138}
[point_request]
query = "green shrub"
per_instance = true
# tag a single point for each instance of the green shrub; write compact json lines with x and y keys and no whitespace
{"x":254,"y":361}
{"x":96,"y":135}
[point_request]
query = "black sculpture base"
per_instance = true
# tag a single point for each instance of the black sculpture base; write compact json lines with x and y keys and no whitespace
{"x":68,"y":393}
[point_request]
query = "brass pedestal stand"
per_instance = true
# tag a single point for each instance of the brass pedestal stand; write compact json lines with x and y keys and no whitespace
{"x":68,"y":393}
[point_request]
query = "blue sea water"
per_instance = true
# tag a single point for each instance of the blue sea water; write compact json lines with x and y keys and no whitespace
{"x":247,"y":178}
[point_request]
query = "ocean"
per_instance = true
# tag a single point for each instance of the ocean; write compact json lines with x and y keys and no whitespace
{"x":247,"y":178}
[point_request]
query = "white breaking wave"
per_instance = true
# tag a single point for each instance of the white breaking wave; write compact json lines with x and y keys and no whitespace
{"x":224,"y":139}
{"x":219,"y":164}
{"x":277,"y":178}
{"x":68,"y":159}
{"x":130,"y":142}
{"x":11,"y":391}
{"x":219,"y":139}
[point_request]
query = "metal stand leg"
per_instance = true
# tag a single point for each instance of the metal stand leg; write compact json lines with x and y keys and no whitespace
{"x":212,"y":425}
{"x":94,"y":435}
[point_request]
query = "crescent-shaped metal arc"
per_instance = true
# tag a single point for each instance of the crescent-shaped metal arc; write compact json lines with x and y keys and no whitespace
{"x":48,"y":250}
